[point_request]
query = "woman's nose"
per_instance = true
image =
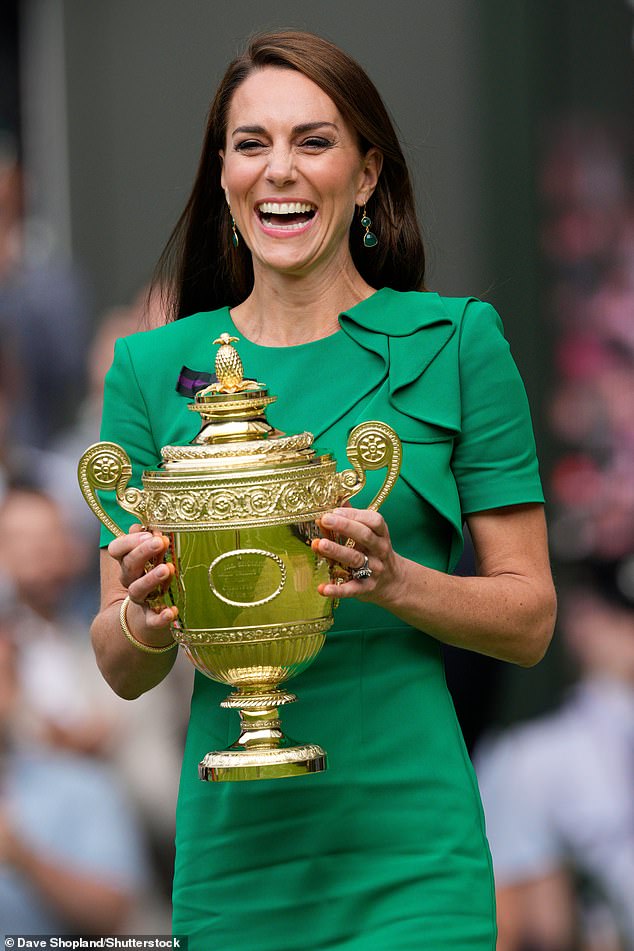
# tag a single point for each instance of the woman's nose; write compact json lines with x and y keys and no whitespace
{"x":281,"y":167}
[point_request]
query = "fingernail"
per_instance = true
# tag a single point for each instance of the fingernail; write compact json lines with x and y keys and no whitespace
{"x":327,"y":520}
{"x":157,"y":545}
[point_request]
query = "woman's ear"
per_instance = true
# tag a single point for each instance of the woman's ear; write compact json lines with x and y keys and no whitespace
{"x":221,"y":155}
{"x":372,"y":165}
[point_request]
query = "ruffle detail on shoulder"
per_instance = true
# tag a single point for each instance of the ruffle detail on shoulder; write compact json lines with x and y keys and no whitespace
{"x":417,"y":335}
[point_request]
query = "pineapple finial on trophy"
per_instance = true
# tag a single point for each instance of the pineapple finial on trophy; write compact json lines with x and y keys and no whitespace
{"x":231,"y":408}
{"x":229,"y":370}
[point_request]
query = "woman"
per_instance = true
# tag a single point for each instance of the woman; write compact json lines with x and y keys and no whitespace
{"x":300,"y":238}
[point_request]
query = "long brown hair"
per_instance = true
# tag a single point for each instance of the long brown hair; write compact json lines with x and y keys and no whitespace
{"x":200,"y":270}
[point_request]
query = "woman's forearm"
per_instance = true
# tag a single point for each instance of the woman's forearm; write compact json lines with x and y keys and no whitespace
{"x":129,"y":671}
{"x":505,"y":616}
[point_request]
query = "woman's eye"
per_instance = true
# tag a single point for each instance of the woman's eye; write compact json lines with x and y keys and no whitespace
{"x":248,"y":145}
{"x":316,"y":142}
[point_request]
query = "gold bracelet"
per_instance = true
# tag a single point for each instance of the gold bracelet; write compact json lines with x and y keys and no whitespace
{"x":123,"y":620}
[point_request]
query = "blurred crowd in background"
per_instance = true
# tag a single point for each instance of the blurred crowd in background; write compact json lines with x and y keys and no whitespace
{"x":88,"y":782}
{"x":587,"y":238}
{"x":558,"y":791}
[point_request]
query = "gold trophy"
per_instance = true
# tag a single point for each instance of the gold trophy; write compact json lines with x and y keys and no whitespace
{"x":239,"y":506}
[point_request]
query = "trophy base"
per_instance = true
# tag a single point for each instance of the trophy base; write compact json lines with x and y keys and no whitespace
{"x":235,"y":765}
{"x":262,"y":751}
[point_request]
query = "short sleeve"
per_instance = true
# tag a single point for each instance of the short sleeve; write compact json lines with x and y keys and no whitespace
{"x":126,"y":421}
{"x":494,"y":460}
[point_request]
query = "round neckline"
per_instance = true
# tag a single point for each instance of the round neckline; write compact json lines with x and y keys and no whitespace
{"x":299,"y":346}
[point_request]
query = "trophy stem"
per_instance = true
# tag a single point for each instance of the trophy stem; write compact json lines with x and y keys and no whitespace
{"x":262,"y":751}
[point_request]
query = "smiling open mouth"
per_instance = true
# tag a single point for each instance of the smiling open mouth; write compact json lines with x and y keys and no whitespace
{"x":287,"y":216}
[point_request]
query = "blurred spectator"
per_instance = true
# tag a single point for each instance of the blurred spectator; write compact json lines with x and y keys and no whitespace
{"x":585,"y":192}
{"x":59,"y":475}
{"x":57,"y":467}
{"x":44,"y":316}
{"x":54,"y":470}
{"x":67,"y":704}
{"x":559,"y":791}
{"x":5,"y":418}
{"x":39,"y":559}
{"x":558,"y":796}
{"x":588,"y":240}
{"x":50,"y":552}
{"x":70,"y":856}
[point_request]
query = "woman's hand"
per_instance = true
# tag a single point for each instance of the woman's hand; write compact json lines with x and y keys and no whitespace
{"x":369,"y":532}
{"x":506,"y":611}
{"x":144,"y":573}
{"x":134,"y":566}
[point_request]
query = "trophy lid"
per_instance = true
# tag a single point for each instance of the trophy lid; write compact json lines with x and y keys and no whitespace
{"x":234,"y":430}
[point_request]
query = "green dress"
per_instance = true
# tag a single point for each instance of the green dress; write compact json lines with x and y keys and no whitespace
{"x":386,"y":849}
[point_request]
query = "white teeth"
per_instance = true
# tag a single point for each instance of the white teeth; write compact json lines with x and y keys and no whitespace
{"x":285,"y":208}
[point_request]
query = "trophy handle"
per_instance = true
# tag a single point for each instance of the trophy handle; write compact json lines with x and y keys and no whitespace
{"x":104,"y":466}
{"x":371,"y":445}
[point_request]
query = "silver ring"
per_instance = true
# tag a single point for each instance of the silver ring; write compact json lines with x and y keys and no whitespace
{"x":359,"y":574}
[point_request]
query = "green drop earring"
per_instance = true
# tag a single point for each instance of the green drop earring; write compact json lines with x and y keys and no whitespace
{"x":370,"y":240}
{"x":235,"y":240}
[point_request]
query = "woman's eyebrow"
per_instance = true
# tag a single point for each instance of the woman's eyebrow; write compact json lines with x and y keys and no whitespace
{"x":311,"y":127}
{"x":251,"y":129}
{"x":297,"y":129}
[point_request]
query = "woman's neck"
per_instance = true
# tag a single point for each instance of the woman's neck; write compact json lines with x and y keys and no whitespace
{"x":285,"y":310}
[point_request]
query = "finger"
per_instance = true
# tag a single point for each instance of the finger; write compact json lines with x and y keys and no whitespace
{"x":349,"y":589}
{"x":352,"y":534}
{"x":151,"y":584}
{"x":168,"y":616}
{"x":138,"y":535}
{"x":160,"y":551}
{"x":359,"y":524}
{"x":343,"y":554}
{"x":124,"y":544}
{"x":369,"y":517}
{"x":155,"y":620}
{"x":349,"y":536}
{"x":139,"y":556}
{"x":143,"y":558}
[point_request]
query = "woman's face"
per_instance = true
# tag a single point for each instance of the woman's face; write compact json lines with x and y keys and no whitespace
{"x":292,"y":172}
